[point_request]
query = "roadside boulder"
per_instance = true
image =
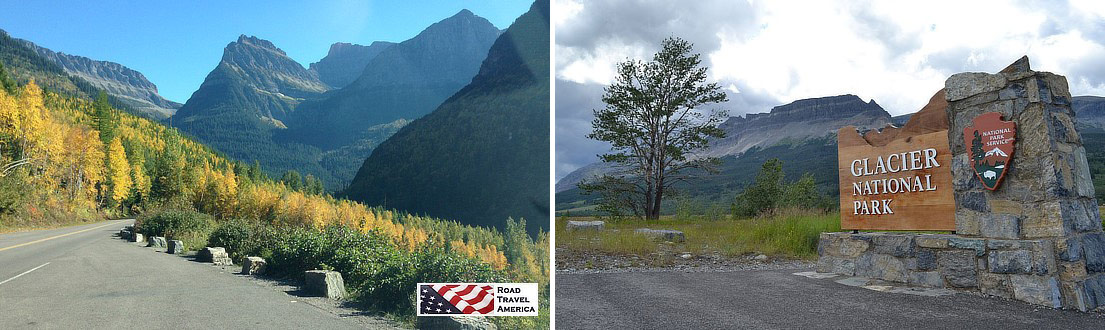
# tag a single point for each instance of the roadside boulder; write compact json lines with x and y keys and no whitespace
{"x":215,"y":255}
{"x":667,"y":235}
{"x":325,"y":283}
{"x":156,"y":242}
{"x":585,"y":225}
{"x":175,"y":247}
{"x":253,"y":266}
{"x":137,"y":238}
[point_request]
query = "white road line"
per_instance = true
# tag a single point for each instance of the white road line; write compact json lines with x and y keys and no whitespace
{"x":24,"y":273}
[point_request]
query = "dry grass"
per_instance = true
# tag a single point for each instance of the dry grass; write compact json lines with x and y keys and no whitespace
{"x":788,"y":234}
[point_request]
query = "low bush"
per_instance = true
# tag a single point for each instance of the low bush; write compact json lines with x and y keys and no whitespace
{"x":238,"y":237}
{"x":191,"y":227}
{"x":389,"y":288}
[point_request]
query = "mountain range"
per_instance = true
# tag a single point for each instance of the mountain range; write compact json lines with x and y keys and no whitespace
{"x":482,"y":155}
{"x":456,"y":118}
{"x":84,"y":77}
{"x":260,"y":105}
{"x":793,"y":122}
{"x":803,"y":135}
{"x":404,"y":81}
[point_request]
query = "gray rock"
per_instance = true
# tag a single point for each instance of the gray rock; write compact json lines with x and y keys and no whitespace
{"x":1069,"y":249}
{"x":253,"y":266}
{"x":1095,"y":291}
{"x":156,"y":242}
{"x":978,"y":245}
{"x":760,"y":257}
{"x":667,"y":235}
{"x":995,"y":285}
{"x":585,"y":225}
{"x":137,"y":237}
{"x":843,"y":266}
{"x":958,"y":268}
{"x":895,"y":245}
{"x":1040,"y":290}
{"x":926,"y":279}
{"x":1093,"y":247}
{"x":931,"y":241}
{"x":175,"y":247}
{"x":926,"y":259}
{"x":963,"y":85}
{"x":1000,"y":226}
{"x":324,"y":283}
{"x":454,"y":323}
{"x":215,"y":255}
{"x":209,"y":254}
{"x":1010,"y":262}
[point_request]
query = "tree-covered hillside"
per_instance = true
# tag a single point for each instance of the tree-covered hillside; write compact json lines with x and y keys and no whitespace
{"x":482,"y":155}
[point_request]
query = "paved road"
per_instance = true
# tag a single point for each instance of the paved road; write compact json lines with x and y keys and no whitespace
{"x":90,"y":279}
{"x":778,"y":299}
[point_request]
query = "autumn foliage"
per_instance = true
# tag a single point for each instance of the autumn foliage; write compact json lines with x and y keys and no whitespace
{"x":82,"y":161}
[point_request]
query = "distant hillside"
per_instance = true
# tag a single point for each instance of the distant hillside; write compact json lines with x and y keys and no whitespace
{"x":129,"y":86}
{"x":789,"y":123}
{"x":482,"y":156}
{"x":405,"y":81}
{"x":818,"y":156}
{"x":83,"y":77}
{"x":345,"y":62}
{"x":249,"y":94}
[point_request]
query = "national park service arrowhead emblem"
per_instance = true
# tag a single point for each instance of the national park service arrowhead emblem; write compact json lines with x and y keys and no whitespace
{"x":989,"y":142}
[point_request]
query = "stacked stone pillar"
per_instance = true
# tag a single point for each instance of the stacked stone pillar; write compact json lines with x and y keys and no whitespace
{"x":1036,"y":238}
{"x":1044,"y":213}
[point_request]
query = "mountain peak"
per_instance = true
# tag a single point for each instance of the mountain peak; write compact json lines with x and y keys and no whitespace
{"x":464,"y":13}
{"x":256,"y":42}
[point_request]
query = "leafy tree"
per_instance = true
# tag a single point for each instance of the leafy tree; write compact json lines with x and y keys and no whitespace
{"x":654,"y":120}
{"x":6,"y":81}
{"x":803,"y":194}
{"x":168,"y":180}
{"x":312,"y":185}
{"x":118,"y":171}
{"x":292,"y":179}
{"x":764,"y":194}
{"x":104,"y":117}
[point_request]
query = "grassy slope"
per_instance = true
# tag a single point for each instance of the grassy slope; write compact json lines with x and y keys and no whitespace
{"x":791,"y":235}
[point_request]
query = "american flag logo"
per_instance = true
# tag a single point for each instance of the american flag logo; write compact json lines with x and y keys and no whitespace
{"x":456,"y":299}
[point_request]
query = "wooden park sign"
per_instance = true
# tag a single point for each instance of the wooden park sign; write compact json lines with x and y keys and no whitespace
{"x":899,"y":178}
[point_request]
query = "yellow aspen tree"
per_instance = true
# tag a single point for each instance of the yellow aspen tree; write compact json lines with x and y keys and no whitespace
{"x":141,"y":180}
{"x":118,"y":171}
{"x":29,"y":122}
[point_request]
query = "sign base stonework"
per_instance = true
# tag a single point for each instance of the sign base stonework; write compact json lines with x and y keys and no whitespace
{"x":1032,"y":233}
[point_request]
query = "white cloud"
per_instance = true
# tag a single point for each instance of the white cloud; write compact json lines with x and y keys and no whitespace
{"x":896,"y":52}
{"x":767,"y":53}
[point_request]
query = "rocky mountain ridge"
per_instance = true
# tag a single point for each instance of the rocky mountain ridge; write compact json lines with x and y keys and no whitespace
{"x":792,"y":122}
{"x":482,"y":156}
{"x":127,"y":86}
{"x":405,"y":81}
{"x":345,"y":62}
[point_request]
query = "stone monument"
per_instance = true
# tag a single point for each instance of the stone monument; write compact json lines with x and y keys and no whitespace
{"x":1033,"y":235}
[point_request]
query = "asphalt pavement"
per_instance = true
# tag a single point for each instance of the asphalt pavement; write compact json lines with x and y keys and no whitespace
{"x":777,"y":299}
{"x":83,"y":277}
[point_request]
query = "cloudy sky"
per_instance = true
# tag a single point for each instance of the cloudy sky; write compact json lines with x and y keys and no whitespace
{"x":768,"y":53}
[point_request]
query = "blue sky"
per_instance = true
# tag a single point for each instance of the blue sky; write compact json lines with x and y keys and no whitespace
{"x":176,"y":43}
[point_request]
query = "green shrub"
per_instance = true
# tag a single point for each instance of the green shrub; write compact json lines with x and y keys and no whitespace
{"x":390,"y":288}
{"x":191,"y":227}
{"x":237,"y":236}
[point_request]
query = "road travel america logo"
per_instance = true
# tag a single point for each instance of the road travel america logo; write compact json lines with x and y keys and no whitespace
{"x":989,"y":143}
{"x":477,"y":299}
